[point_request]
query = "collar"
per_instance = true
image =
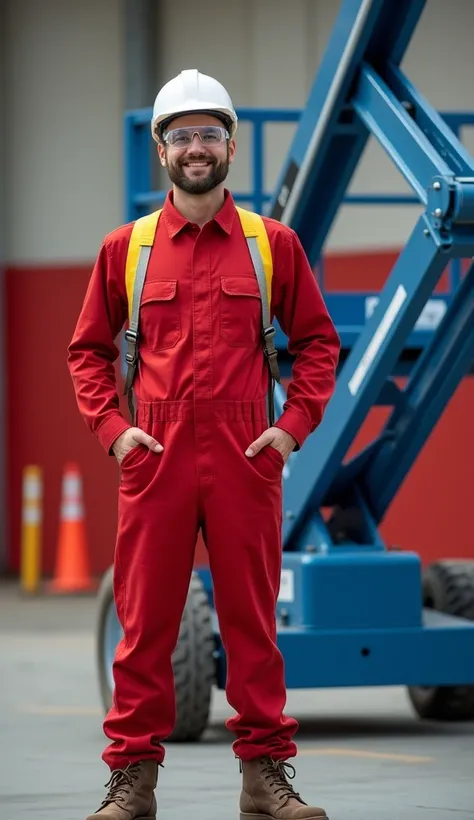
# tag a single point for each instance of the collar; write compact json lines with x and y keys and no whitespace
{"x":175,"y":221}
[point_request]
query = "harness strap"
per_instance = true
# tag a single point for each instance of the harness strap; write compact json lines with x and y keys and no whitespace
{"x":138,"y":256}
{"x":261,"y":255}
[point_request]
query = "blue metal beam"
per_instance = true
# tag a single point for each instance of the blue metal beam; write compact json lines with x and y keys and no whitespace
{"x":412,"y":281}
{"x":438,"y":373}
{"x":138,"y":175}
{"x":398,"y":133}
{"x":430,"y":123}
{"x":330,"y":138}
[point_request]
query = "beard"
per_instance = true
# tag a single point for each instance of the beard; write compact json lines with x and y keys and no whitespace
{"x":216,"y":174}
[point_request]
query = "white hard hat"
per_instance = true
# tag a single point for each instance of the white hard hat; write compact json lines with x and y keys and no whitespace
{"x":188,"y":93}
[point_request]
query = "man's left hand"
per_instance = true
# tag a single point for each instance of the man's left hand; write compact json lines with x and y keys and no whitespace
{"x":273,"y":437}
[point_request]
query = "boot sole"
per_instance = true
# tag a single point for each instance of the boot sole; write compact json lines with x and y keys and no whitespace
{"x":245,"y":816}
{"x":148,"y":817}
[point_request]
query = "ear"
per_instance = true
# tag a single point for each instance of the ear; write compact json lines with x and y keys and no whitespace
{"x":232,"y":149}
{"x":161,"y":153}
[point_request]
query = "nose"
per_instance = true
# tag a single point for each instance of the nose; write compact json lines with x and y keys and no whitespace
{"x":196,"y":143}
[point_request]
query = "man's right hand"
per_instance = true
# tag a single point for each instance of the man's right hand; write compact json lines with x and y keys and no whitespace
{"x":132,"y":438}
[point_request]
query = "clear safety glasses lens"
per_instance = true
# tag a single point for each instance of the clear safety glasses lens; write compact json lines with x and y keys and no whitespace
{"x":208,"y":134}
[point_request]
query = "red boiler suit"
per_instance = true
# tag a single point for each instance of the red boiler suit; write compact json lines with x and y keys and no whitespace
{"x":201,"y":391}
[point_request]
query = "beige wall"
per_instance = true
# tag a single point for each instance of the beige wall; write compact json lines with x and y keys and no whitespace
{"x":64,"y":180}
{"x":64,"y":105}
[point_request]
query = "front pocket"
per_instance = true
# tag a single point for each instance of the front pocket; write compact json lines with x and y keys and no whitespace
{"x":240,"y":311}
{"x":130,"y":457}
{"x":275,"y":454}
{"x":268,"y":463}
{"x":160,"y":320}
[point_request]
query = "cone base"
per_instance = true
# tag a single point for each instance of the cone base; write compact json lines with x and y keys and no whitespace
{"x":72,"y":586}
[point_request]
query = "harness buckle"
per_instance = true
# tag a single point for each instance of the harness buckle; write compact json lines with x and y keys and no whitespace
{"x":131,"y":336}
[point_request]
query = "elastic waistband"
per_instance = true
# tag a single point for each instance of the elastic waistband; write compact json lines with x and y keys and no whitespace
{"x":202,"y":411}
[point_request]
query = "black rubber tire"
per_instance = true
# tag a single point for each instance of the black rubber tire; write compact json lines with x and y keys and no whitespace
{"x":194,"y":663}
{"x":105,"y":600}
{"x":448,"y":586}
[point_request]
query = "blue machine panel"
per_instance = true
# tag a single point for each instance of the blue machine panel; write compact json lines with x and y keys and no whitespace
{"x":437,"y":654}
{"x":349,"y":589}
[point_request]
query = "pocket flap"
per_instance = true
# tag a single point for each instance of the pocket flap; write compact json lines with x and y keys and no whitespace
{"x":159,"y":291}
{"x":240,"y":286}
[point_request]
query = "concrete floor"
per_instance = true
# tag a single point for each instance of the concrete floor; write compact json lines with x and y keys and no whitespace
{"x":363,"y":754}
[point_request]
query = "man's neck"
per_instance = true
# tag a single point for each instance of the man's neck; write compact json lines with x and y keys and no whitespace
{"x":198,"y":208}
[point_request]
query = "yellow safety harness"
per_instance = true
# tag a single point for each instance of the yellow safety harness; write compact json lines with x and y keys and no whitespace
{"x":138,"y":255}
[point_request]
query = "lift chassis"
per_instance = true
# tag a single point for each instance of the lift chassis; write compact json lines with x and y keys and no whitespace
{"x":352,"y":612}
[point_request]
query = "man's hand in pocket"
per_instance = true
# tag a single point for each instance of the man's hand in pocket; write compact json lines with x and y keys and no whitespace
{"x":132,"y":438}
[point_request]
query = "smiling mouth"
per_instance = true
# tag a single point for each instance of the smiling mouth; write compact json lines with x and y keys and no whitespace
{"x":197,"y":164}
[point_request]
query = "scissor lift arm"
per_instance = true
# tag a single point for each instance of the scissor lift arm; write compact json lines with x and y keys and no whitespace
{"x":360,"y":90}
{"x":348,"y":606}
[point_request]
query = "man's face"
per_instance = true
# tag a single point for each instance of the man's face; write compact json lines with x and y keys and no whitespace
{"x":197,"y":168}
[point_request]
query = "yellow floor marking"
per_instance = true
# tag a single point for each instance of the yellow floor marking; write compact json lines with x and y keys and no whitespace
{"x":339,"y":752}
{"x":82,"y":711}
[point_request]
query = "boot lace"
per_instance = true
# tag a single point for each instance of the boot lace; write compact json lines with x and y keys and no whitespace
{"x":120,"y":782}
{"x":277,"y":772}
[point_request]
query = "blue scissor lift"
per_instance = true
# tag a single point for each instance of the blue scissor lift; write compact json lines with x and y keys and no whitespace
{"x":352,"y":612}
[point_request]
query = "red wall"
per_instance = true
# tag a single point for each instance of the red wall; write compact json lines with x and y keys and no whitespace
{"x":431,"y":513}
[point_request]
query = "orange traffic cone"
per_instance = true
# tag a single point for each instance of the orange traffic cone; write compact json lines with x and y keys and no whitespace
{"x":72,"y":572}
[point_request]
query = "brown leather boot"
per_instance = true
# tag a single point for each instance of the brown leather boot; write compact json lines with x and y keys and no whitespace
{"x":131,"y":794}
{"x":267,"y":795}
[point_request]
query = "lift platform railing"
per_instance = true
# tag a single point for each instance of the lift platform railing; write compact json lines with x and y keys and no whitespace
{"x":349,"y":309}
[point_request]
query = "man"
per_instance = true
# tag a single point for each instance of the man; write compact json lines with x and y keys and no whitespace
{"x":200,"y":453}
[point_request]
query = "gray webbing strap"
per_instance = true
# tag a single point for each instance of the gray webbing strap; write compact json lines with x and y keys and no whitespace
{"x":131,"y":334}
{"x":268,"y":330}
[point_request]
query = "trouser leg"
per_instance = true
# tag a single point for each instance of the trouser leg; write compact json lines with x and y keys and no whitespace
{"x":158,"y":523}
{"x":243,"y":535}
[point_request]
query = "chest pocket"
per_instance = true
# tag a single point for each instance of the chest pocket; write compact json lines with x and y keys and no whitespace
{"x":240,"y":311}
{"x":160,"y":320}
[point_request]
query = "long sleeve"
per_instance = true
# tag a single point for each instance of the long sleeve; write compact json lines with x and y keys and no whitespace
{"x":93,"y":352}
{"x":312,"y":339}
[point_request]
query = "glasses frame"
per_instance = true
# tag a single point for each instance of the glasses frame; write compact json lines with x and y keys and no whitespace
{"x":196,"y":129}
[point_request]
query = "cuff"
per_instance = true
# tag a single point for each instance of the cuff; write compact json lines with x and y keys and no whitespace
{"x":295,"y":424}
{"x":110,"y":429}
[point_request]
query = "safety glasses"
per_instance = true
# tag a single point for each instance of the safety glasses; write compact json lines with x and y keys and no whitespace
{"x":208,"y":134}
